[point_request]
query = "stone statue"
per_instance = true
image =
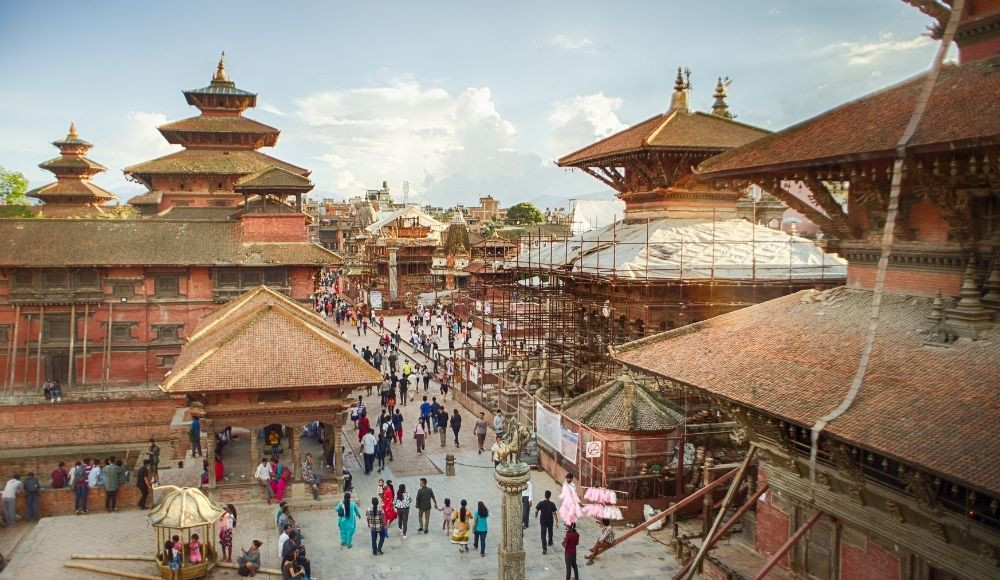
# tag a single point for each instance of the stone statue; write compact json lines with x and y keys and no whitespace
{"x":514,"y":442}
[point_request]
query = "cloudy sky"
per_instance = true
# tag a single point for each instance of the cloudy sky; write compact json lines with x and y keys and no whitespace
{"x":457,"y":98}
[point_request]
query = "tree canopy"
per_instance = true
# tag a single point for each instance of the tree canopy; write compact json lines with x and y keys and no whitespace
{"x":524,"y":213}
{"x":13,"y":185}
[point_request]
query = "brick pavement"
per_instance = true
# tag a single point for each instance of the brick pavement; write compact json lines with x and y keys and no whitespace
{"x":54,"y":539}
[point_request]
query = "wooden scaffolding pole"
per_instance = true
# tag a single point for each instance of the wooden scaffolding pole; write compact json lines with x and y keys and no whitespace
{"x":787,"y":545}
{"x":730,"y":494}
{"x":12,"y":359}
{"x":38,"y":349}
{"x":86,"y":326}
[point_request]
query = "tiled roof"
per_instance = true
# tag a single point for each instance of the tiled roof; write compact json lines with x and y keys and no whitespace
{"x":264,"y":340}
{"x":220,"y":89}
{"x":176,"y":212}
{"x":148,"y":198}
{"x":78,"y":189}
{"x":795,"y":357}
{"x":219,"y":124}
{"x":624,"y":404}
{"x":273,"y":178}
{"x":675,"y":130}
{"x":960,"y":110}
{"x":72,"y":162}
{"x":83,"y":242}
{"x":212,"y":162}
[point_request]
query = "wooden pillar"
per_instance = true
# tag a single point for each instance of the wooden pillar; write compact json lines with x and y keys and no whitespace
{"x":86,"y":325}
{"x":337,"y":440}
{"x":208,"y":427}
{"x":38,"y":348}
{"x":294,"y":444}
{"x":707,"y":501}
{"x":254,"y":452}
{"x":71,"y":370}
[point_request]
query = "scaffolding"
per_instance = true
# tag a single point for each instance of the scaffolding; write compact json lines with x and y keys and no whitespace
{"x":551,"y":315}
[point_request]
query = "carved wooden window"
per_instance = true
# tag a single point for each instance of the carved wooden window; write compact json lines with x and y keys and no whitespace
{"x":55,"y":328}
{"x":166,"y":285}
{"x":227,"y":277}
{"x":167,"y":360}
{"x":5,"y":333}
{"x":251,"y":278}
{"x":54,"y":279}
{"x":24,"y":279}
{"x":275,"y":277}
{"x":169,"y":332}
{"x":123,"y":289}
{"x":122,"y":330}
{"x":86,"y":278}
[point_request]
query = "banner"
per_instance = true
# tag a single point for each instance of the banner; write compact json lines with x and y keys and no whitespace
{"x":570,"y":445}
{"x":547,"y":426}
{"x":474,"y":374}
{"x":375,"y":299}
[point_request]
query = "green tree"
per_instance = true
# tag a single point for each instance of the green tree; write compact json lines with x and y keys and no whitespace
{"x":524,"y":213}
{"x":13,"y":185}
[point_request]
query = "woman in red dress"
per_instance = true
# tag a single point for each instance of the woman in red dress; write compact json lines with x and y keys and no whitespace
{"x":388,"y":503}
{"x":364,"y":425}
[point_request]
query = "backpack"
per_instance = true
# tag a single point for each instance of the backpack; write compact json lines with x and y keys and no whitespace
{"x":80,"y":476}
{"x":32,"y":486}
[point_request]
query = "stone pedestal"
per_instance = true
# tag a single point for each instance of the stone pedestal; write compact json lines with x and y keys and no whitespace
{"x":512,"y":480}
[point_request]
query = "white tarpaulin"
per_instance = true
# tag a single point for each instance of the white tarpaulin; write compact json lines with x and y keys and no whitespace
{"x":548,"y":426}
{"x":678,"y":249}
{"x":570,"y":444}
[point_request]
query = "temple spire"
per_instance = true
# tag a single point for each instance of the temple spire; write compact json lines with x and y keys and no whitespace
{"x":682,"y":84}
{"x":719,"y":107}
{"x":72,"y":131}
{"x":220,"y":72}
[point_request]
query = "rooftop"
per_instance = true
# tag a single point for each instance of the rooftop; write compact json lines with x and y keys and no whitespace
{"x":795,"y":357}
{"x":263,"y":340}
{"x":103,"y":242}
{"x":212,"y":162}
{"x":676,"y":130}
{"x":959,"y":113}
{"x":623,"y":404}
{"x":274,"y":179}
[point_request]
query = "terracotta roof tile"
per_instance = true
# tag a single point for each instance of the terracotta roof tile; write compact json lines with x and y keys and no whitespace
{"x":213,"y":162}
{"x":795,"y":357}
{"x":623,"y":404}
{"x":672,"y":131}
{"x":273,"y":178}
{"x":80,"y":189}
{"x":219,"y":124}
{"x":85,"y":242}
{"x":961,"y":109}
{"x":264,"y":340}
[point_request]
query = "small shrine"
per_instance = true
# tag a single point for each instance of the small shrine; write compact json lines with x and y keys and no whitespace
{"x":187,"y":513}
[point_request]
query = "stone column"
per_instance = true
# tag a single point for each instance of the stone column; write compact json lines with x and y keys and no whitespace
{"x":338,"y":441}
{"x":512,"y":479}
{"x":294,"y":445}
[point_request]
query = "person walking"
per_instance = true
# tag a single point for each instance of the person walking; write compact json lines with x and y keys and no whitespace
{"x":142,"y":482}
{"x":495,"y":451}
{"x":10,"y":491}
{"x":419,"y":435}
{"x":376,"y":525}
{"x":380,"y":449}
{"x":499,"y":424}
{"x":402,"y":505}
{"x":546,"y":512}
{"x":368,"y":444}
{"x":480,"y":429}
{"x":482,"y":526}
{"x":195,"y":434}
{"x":462,"y":520}
{"x":570,"y":541}
{"x":32,"y":497}
{"x":456,"y":425}
{"x":347,"y":520}
{"x":226,"y":525}
{"x":112,"y":480}
{"x":425,"y":496}
{"x":442,"y":423}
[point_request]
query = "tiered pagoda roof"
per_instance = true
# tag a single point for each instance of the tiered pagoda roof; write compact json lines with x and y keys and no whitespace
{"x":73,"y":170}
{"x":219,"y":142}
{"x":624,"y":404}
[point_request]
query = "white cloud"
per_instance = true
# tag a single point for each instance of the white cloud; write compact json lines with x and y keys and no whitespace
{"x":439,"y":142}
{"x":269,"y":108}
{"x":861,"y":53}
{"x":581,"y":120}
{"x":583,"y":45}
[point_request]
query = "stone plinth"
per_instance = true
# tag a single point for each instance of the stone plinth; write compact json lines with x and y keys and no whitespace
{"x":512,"y":479}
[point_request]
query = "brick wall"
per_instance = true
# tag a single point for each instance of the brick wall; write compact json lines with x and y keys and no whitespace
{"x":868,"y":562}
{"x":60,"y":502}
{"x":906,"y":280}
{"x":274,"y":228}
{"x":772,"y":529}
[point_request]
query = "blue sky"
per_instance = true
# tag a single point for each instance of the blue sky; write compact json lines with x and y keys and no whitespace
{"x":457,"y":98}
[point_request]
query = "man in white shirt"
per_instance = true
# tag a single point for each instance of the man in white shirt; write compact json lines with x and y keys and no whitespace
{"x":368,"y":443}
{"x":10,"y":491}
{"x":94,"y":477}
{"x":263,"y":475}
{"x":526,"y":504}
{"x":283,"y":538}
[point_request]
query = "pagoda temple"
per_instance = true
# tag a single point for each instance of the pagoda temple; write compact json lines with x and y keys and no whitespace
{"x":72,"y":194}
{"x":221,"y":147}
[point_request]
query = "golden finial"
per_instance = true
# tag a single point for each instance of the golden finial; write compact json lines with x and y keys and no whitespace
{"x":720,"y":108}
{"x":220,"y":72}
{"x":679,"y":81}
{"x":72,"y":131}
{"x":679,"y":100}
